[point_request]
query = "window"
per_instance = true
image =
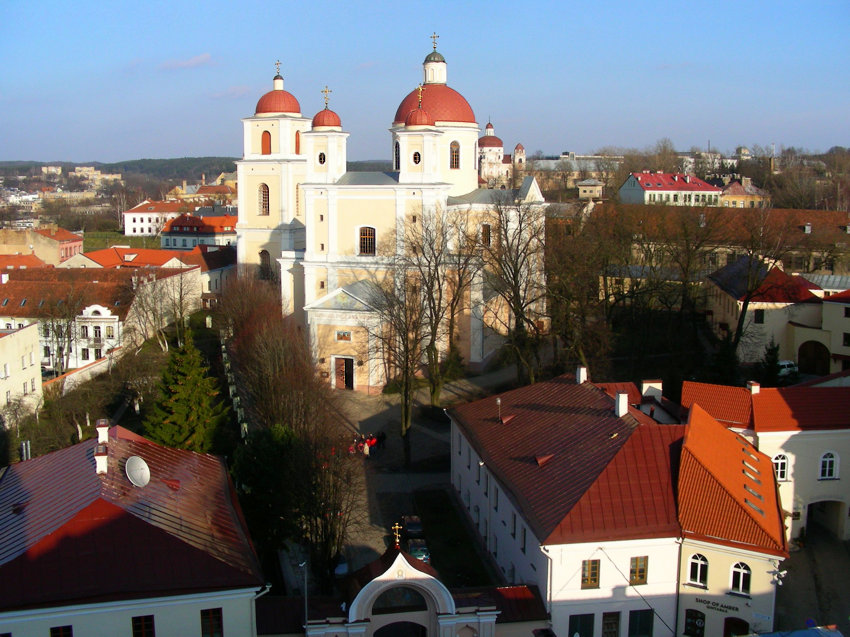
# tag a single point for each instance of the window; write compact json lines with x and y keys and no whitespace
{"x":211,"y":623}
{"x":581,"y":625}
{"x":454,"y":155}
{"x":367,"y":241}
{"x":590,"y":574}
{"x":758,"y":317}
{"x":417,"y":157}
{"x":46,"y":351}
{"x":298,"y":142}
{"x":110,"y":331}
{"x":522,"y":540}
{"x":780,"y":467}
{"x":694,"y":623}
{"x":468,"y":457}
{"x":45,"y":331}
{"x":97,"y":331}
{"x":84,"y":353}
{"x":640,"y":623}
{"x":637,"y":570}
{"x":846,"y":339}
{"x":513,"y":524}
{"x":698,"y":573}
{"x":26,"y":388}
{"x":263,"y":195}
{"x":495,"y":498}
{"x":829,"y":466}
{"x":397,"y":157}
{"x":485,"y":234}
{"x":266,"y":147}
{"x":32,"y":384}
{"x":62,"y":631}
{"x":741,"y":578}
{"x":84,"y":331}
{"x":322,"y":158}
{"x":143,"y":626}
{"x":847,"y":312}
{"x":98,"y":354}
{"x":343,"y":335}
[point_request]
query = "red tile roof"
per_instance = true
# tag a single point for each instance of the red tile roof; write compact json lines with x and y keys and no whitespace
{"x":131,"y":257}
{"x":68,"y":535}
{"x":218,"y":225}
{"x":727,"y":491}
{"x":575,"y":424}
{"x":732,"y":406}
{"x":210,"y":257}
{"x":215,"y":190}
{"x":612,"y":389}
{"x":673,"y":181}
{"x":778,"y":287}
{"x":17,"y":261}
{"x":59,"y":234}
{"x":801,"y":409}
{"x":157,"y":206}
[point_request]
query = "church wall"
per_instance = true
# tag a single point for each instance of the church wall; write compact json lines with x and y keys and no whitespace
{"x":255,"y":136}
{"x":368,"y":211}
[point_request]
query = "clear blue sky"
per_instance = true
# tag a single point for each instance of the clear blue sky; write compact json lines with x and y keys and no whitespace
{"x":111,"y":81}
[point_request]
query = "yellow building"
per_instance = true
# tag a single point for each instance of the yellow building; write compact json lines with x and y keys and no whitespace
{"x":330,"y":234}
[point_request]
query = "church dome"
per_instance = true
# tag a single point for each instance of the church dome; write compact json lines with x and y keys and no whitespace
{"x":442,"y":102}
{"x":490,"y":141}
{"x":433,"y":56}
{"x":278,"y":101}
{"x":326,"y":118}
{"x":419,"y":117}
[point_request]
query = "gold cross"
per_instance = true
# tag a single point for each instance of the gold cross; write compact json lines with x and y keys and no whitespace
{"x":419,"y":90}
{"x":435,"y":37}
{"x":326,"y":92}
{"x":396,"y":528}
{"x":277,"y":67}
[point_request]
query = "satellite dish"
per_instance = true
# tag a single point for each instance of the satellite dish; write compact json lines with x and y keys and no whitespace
{"x":137,"y":471}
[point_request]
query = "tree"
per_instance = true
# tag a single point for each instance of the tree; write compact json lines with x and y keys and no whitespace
{"x":162,"y":298}
{"x":189,"y":409}
{"x":513,"y":271}
{"x":58,"y":321}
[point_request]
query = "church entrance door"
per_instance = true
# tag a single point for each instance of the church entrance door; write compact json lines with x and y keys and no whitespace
{"x":344,"y":373}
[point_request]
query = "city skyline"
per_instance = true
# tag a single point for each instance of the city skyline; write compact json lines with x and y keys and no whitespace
{"x":164,"y":80}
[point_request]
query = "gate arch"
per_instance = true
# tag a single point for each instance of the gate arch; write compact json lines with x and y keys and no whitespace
{"x":813,"y":358}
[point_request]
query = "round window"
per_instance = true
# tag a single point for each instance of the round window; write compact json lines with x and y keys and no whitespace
{"x":417,"y":157}
{"x":321,"y":158}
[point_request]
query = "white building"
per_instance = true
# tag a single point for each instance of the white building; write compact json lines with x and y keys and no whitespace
{"x":20,"y":371}
{"x":571,"y":489}
{"x":668,"y":189}
{"x":496,"y":169}
{"x":148,"y":218}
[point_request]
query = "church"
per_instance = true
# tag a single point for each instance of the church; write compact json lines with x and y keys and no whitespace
{"x":329,"y":234}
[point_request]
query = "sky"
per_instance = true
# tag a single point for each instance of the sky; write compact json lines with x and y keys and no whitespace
{"x":113,"y":81}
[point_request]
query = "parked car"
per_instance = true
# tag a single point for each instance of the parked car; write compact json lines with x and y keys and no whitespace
{"x":418,"y":549}
{"x":412,"y":526}
{"x":788,"y":369}
{"x":341,"y":568}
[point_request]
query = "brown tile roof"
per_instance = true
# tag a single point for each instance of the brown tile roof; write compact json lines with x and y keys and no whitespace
{"x":801,"y":409}
{"x":215,"y":190}
{"x":727,"y":491}
{"x":612,"y":389}
{"x":514,"y":603}
{"x":673,"y":181}
{"x":210,"y":257}
{"x":157,"y":206}
{"x":18,"y":261}
{"x":573,"y":424}
{"x":68,"y":535}
{"x":732,"y":406}
{"x":58,"y":234}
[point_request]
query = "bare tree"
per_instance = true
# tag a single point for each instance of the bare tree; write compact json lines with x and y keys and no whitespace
{"x":513,"y":270}
{"x":161,"y":298}
{"x":58,"y":321}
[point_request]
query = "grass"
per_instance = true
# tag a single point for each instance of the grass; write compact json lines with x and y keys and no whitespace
{"x":100,"y":240}
{"x":453,"y":549}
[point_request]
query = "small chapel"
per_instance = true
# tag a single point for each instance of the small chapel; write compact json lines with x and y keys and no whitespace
{"x":328,"y":234}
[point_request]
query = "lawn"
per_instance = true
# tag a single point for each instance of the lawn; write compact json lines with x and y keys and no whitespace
{"x":99,"y":240}
{"x":454,"y":551}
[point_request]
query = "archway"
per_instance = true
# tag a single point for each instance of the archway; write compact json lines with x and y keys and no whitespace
{"x":825,"y":517}
{"x":401,"y":629}
{"x":813,"y":358}
{"x":734,"y":626}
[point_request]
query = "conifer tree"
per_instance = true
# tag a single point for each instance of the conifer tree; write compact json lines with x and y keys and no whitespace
{"x":188,"y":410}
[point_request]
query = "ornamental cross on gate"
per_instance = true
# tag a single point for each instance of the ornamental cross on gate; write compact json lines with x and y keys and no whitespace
{"x":396,"y":531}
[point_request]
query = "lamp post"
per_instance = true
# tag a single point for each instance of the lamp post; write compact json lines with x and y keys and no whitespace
{"x":303,"y":565}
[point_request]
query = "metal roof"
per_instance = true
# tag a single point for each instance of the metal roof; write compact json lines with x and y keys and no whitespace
{"x":368,"y":178}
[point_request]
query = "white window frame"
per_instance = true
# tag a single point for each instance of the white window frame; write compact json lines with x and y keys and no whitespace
{"x":780,"y":467}
{"x":741,"y":571}
{"x":702,"y":574}
{"x":828,"y":466}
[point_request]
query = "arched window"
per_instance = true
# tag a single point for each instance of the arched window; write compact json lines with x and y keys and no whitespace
{"x":367,"y":241}
{"x":454,"y":155}
{"x":741,"y":578}
{"x":266,"y":143}
{"x":397,"y":157}
{"x":698,"y":571}
{"x":829,"y":466}
{"x":298,"y":142}
{"x":263,"y":200}
{"x":780,"y":466}
{"x":485,"y":234}
{"x":265,"y":265}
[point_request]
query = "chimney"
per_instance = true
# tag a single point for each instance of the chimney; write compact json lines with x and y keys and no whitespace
{"x":581,"y":375}
{"x":184,"y":185}
{"x":807,"y":229}
{"x":753,"y":386}
{"x":4,"y":278}
{"x":102,"y":427}
{"x":651,"y":388}
{"x":101,"y":458}
{"x":621,"y":406}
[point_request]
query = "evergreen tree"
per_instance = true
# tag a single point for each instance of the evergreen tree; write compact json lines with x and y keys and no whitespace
{"x":188,"y":410}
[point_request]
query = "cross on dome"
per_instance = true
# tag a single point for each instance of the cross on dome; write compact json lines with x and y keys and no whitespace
{"x":277,"y":67}
{"x":326,"y":91}
{"x":419,"y":90}
{"x":434,"y":38}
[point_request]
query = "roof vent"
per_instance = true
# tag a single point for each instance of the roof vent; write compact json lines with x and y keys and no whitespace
{"x":753,"y":386}
{"x":137,"y":471}
{"x":581,"y":375}
{"x":807,"y":229}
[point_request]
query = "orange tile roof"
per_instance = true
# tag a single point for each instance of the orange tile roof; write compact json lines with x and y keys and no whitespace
{"x":215,"y":190}
{"x":58,"y":234}
{"x":131,"y":257}
{"x":727,"y":490}
{"x":210,"y":257}
{"x":15,"y":261}
{"x":801,"y":409}
{"x":612,"y":389}
{"x":223,"y":224}
{"x":732,"y":406}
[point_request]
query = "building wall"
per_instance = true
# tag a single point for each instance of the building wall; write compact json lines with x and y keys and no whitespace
{"x":715,"y":600}
{"x":176,"y":616}
{"x":146,"y":224}
{"x":803,"y":484}
{"x":28,"y":241}
{"x":20,"y":370}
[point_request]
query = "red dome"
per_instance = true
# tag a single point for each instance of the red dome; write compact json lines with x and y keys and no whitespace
{"x":278,"y":101}
{"x":326,"y":117}
{"x":443,"y":103}
{"x":490,"y":141}
{"x":419,"y":117}
{"x":489,"y":126}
